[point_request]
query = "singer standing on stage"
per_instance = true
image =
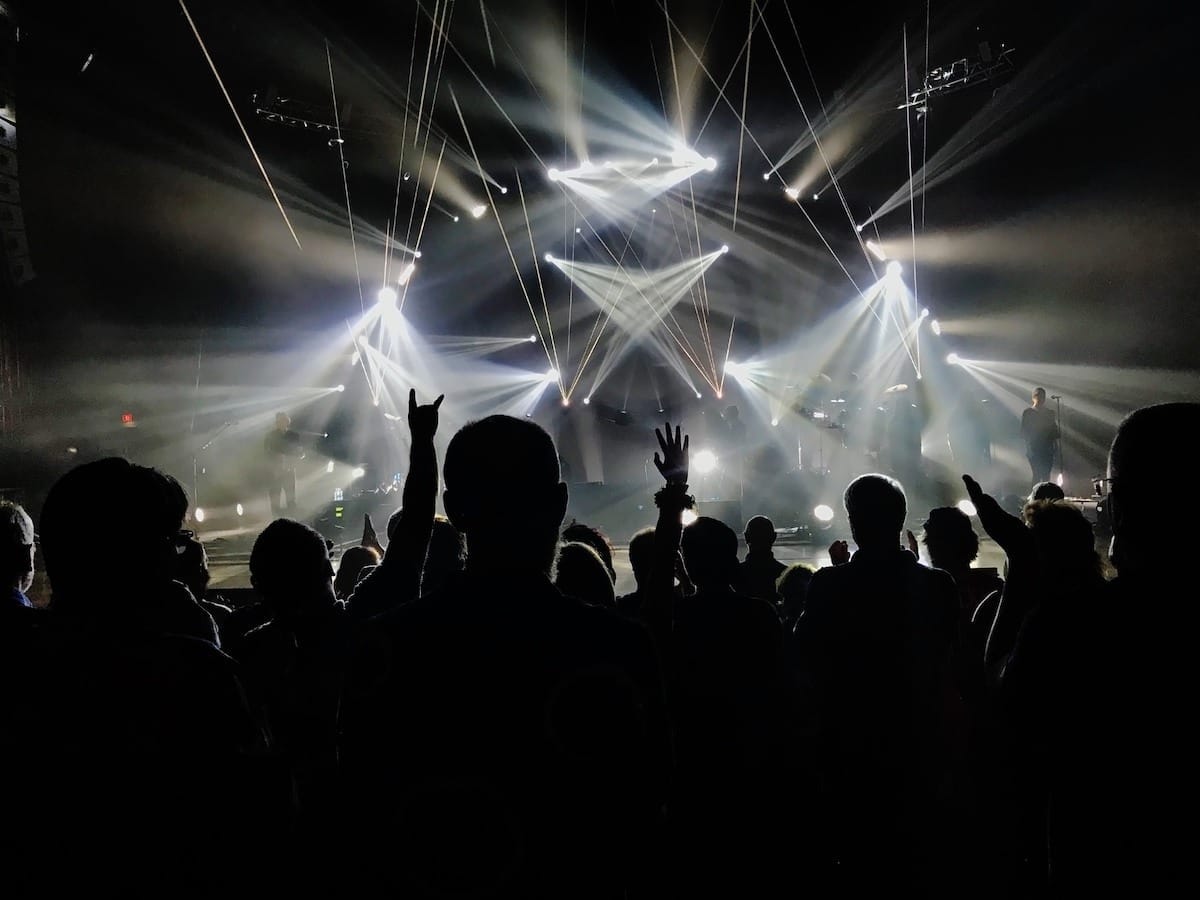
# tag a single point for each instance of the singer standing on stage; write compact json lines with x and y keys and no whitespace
{"x":1039,"y":429}
{"x":283,"y":450}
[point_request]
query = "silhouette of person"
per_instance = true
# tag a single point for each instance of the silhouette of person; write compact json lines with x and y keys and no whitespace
{"x":1039,"y":430}
{"x":759,"y":571}
{"x":501,"y":739}
{"x":282,"y":447}
{"x":875,"y":642}
{"x":16,"y":554}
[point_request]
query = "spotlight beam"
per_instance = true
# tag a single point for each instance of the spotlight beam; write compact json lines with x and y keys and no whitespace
{"x":345,"y":182}
{"x":261,"y":168}
{"x":541,"y":288}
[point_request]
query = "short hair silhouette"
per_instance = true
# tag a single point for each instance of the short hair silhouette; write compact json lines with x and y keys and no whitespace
{"x":710,"y":549}
{"x":142,"y":510}
{"x":594,"y":538}
{"x":191,"y":566}
{"x":503,"y":490}
{"x":1046,"y":490}
{"x":16,"y":545}
{"x":876,"y":507}
{"x":287,"y":562}
{"x":641,"y":555}
{"x":1148,"y":451}
{"x":949,"y":537}
{"x":1065,"y":539}
{"x":792,"y":584}
{"x":760,"y":531}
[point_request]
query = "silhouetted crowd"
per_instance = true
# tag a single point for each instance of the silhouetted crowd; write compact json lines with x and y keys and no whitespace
{"x":467,"y":708}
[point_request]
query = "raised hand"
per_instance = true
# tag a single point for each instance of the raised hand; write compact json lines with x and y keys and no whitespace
{"x":912,"y":542}
{"x":673,"y":464}
{"x":1002,"y":527}
{"x":839,"y":553}
{"x":423,"y":420}
{"x":369,"y":537}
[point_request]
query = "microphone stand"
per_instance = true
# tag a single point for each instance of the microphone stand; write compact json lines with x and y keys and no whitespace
{"x":196,"y":461}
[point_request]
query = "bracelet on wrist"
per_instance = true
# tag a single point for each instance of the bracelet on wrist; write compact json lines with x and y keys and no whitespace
{"x":674,"y":495}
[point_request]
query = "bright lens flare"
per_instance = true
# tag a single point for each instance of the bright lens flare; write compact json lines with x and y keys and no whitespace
{"x":823,"y":513}
{"x":689,"y":516}
{"x":966,"y":507}
{"x":704,"y":461}
{"x":358,"y":472}
{"x":952,"y":359}
{"x":387,"y":295}
{"x":199,"y":514}
{"x":478,"y":211}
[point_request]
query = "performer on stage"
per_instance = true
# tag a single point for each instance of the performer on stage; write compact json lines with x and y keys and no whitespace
{"x":1039,"y":429}
{"x":283,"y":450}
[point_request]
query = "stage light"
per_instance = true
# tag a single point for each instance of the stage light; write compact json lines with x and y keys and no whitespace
{"x":354,"y":357}
{"x":816,"y":196}
{"x":241,"y":510}
{"x":697,"y":395}
{"x":198,"y":515}
{"x":689,"y":516}
{"x":375,"y":402}
{"x":455,"y":218}
{"x":936,"y":326}
{"x":503,"y":190}
{"x":859,"y":228}
{"x":587,"y":400}
{"x":549,"y":257}
{"x":792,"y":193}
{"x":925,"y":314}
{"x":704,"y":462}
{"x":551,"y":375}
{"x":478,"y":211}
{"x":566,"y":401}
{"x":407,"y":273}
{"x":654,"y":162}
{"x":823,"y":512}
{"x":579,"y":231}
{"x":877,"y":251}
{"x":417,"y":254}
{"x":952,"y":359}
{"x":966,"y":507}
{"x":329,"y":467}
{"x":724,"y":248}
{"x":407,"y":175}
{"x":387,"y":295}
{"x":719,"y":395}
{"x":358,"y":472}
{"x":533,"y":339}
{"x":341,"y":388}
{"x":766,"y":176}
{"x":710,"y":164}
{"x":1059,"y":479}
{"x":894,"y":268}
{"x":552,"y":174}
{"x":774,"y":423}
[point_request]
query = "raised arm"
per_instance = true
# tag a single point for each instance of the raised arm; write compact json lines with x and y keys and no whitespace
{"x":397,"y":579}
{"x":672,"y":499}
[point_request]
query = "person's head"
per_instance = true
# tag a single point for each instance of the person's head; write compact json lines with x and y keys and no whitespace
{"x":1039,"y":397}
{"x":792,"y":586}
{"x":760,"y":534}
{"x":951,"y":541}
{"x":1045,"y":490}
{"x":641,"y":556}
{"x":580,"y":573}
{"x":504,"y":494}
{"x":1065,"y":543}
{"x":876,"y":508}
{"x":106,"y":523}
{"x":349,"y":570}
{"x":282,"y":421}
{"x":191,"y":565}
{"x":710,"y":549}
{"x":1150,"y":523}
{"x":597,"y":540}
{"x":16,"y":547}
{"x":446,"y":557}
{"x":290,"y":569}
